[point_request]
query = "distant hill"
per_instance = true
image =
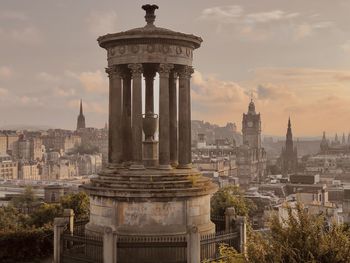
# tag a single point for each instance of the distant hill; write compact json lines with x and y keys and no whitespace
{"x":25,"y":127}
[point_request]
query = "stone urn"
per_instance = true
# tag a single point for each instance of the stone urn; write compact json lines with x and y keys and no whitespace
{"x":150,"y":125}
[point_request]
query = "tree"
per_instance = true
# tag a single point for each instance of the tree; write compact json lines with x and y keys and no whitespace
{"x":230,"y":196}
{"x":11,"y":219}
{"x":227,"y":255}
{"x":79,"y":202}
{"x":25,"y":200}
{"x":300,"y":238}
{"x":45,"y":215}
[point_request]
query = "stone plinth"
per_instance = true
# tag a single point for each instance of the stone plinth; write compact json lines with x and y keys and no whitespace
{"x":150,"y":153}
{"x":150,"y":202}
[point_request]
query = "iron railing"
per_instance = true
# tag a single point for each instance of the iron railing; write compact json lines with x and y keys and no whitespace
{"x":150,"y":249}
{"x":79,"y":227}
{"x":219,"y":222}
{"x":210,"y":244}
{"x":81,"y":248}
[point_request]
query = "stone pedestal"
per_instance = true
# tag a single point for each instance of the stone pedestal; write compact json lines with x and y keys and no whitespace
{"x":150,"y":202}
{"x":150,"y":154}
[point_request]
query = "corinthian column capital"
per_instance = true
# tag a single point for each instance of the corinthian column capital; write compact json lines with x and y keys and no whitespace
{"x":136,"y":69}
{"x":165,"y":69}
{"x":114,"y":71}
{"x":185,"y":71}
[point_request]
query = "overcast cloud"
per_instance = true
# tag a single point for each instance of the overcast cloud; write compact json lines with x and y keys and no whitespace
{"x":293,"y":55}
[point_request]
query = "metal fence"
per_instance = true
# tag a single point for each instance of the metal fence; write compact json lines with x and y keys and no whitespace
{"x":79,"y":227}
{"x":150,"y":249}
{"x":81,"y":248}
{"x":219,"y":222}
{"x":210,"y":244}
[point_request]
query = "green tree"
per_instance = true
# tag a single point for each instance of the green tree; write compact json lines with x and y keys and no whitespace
{"x":45,"y":215}
{"x":230,"y":196}
{"x":79,"y":202}
{"x":300,"y":238}
{"x":25,"y":200}
{"x":11,"y":219}
{"x":227,"y":255}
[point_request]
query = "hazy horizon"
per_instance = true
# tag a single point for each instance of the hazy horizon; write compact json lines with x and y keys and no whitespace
{"x":293,"y":55}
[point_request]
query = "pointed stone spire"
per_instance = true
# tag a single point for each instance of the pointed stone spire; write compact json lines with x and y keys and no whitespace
{"x":349,"y":138}
{"x":81,"y":107}
{"x":81,"y":117}
{"x":289,"y":137}
{"x":343,"y":139}
{"x":336,"y":140}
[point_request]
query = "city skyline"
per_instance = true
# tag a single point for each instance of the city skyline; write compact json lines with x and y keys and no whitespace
{"x":293,"y":56}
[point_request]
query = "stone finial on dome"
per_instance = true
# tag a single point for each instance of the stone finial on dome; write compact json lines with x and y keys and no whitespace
{"x":150,"y":16}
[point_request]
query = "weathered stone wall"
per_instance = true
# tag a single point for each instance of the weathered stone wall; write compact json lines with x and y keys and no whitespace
{"x":154,"y":217}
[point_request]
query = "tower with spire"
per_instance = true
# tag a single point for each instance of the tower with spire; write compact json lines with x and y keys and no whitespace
{"x":289,"y":155}
{"x":81,"y":117}
{"x":251,"y":156}
{"x":251,"y":127}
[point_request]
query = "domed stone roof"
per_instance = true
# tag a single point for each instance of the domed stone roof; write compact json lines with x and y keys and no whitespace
{"x":149,"y":32}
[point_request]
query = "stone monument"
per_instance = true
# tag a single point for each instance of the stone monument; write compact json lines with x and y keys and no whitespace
{"x":149,"y":187}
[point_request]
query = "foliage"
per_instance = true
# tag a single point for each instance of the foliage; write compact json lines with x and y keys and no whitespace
{"x":227,"y":255}
{"x":26,"y":199}
{"x":11,"y":219}
{"x":79,"y":202}
{"x":44,"y":215}
{"x":230,"y":196}
{"x":25,"y":245}
{"x":300,"y":238}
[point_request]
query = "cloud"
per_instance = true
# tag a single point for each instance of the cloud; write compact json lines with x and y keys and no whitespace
{"x":12,"y":15}
{"x":309,"y":95}
{"x":5,"y":72}
{"x":28,"y":35}
{"x":47,"y":77}
{"x":95,"y":82}
{"x":274,"y":15}
{"x":3,"y":92}
{"x":100,"y":23}
{"x":274,"y":24}
{"x":346,"y":46}
{"x":273,"y":92}
{"x":307,"y":29}
{"x":222,"y":14}
{"x":214,"y":91}
{"x":64,"y":92}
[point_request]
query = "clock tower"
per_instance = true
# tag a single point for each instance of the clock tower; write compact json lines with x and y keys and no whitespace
{"x":251,"y":127}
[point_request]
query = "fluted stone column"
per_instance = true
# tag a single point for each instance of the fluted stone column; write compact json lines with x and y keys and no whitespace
{"x":115,"y":116}
{"x":149,"y":74}
{"x":185,"y":158}
{"x":136,"y":71}
{"x":164,"y":123}
{"x":127,"y":141}
{"x":173,"y":118}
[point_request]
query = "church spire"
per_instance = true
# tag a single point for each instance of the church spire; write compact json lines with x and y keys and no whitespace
{"x":289,"y":137}
{"x":81,"y":117}
{"x":81,"y":107}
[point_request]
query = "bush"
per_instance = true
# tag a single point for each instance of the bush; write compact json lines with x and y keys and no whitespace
{"x":25,"y":245}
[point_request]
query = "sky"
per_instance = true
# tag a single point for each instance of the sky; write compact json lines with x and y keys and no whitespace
{"x":294,"y":56}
